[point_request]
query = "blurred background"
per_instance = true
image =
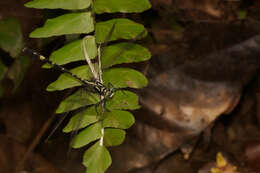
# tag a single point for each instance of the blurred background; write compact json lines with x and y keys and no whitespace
{"x":202,"y":98}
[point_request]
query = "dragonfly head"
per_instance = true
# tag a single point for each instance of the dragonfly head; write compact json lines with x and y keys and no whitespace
{"x":109,"y":91}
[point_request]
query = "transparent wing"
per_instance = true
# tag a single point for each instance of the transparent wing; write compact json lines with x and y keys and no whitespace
{"x":76,"y":127}
{"x":56,"y":126}
{"x":60,"y":121}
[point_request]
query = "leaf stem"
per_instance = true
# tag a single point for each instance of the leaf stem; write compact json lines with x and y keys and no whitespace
{"x":102,"y":137}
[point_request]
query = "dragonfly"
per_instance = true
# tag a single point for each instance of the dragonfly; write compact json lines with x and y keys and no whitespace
{"x":95,"y":85}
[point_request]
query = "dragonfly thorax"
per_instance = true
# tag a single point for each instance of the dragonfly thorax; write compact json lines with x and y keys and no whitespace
{"x":106,"y":92}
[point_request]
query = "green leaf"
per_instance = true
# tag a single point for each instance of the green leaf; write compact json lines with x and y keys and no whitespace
{"x":17,"y":70}
{"x":63,"y":4}
{"x":124,"y":6}
{"x":90,"y":134}
{"x":67,"y":81}
{"x":97,"y":159}
{"x":77,"y":100}
{"x":124,"y":29}
{"x":124,"y":77}
{"x":11,"y":38}
{"x":82,"y":119}
{"x":3,"y":69}
{"x":73,"y":52}
{"x":73,"y":23}
{"x":124,"y":53}
{"x":123,"y":100}
{"x":113,"y":137}
{"x":118,"y":119}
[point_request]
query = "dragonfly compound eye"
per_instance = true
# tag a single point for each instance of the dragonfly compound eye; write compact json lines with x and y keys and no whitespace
{"x":111,"y":93}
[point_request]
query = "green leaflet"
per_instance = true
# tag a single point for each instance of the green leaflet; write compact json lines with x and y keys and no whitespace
{"x":114,"y":137}
{"x":90,"y":134}
{"x":73,"y":52}
{"x":77,"y":100}
{"x":124,"y":53}
{"x":73,"y":23}
{"x":63,"y":4}
{"x":123,"y":100}
{"x":124,"y":29}
{"x":11,"y":39}
{"x":66,"y":81}
{"x":124,"y":6}
{"x":97,"y":159}
{"x":86,"y":117}
{"x":124,"y":77}
{"x":118,"y":119}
